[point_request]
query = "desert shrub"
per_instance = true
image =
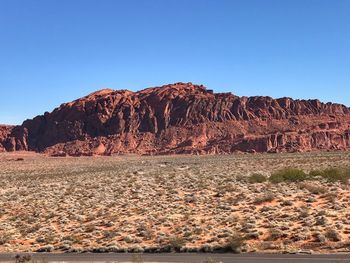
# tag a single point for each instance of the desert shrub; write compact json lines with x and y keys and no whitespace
{"x":314,"y":189}
{"x":288,"y":175}
{"x":4,"y":238}
{"x":287,"y":203}
{"x":257,"y":178}
{"x":109,"y":234}
{"x":321,"y":221}
{"x":268,"y":197}
{"x":274,"y":234}
{"x":235,"y":243}
{"x":331,"y":197}
{"x":176,"y":243}
{"x":304,"y":212}
{"x":336,"y":175}
{"x":269,"y":245}
{"x":74,"y":239}
{"x":145,"y":231}
{"x":128,"y":239}
{"x":241,"y":178}
{"x":333,"y":235}
{"x":90,"y":228}
{"x":315,"y":173}
{"x":234,"y":218}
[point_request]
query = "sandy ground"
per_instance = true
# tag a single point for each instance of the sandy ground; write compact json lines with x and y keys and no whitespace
{"x":186,"y":203}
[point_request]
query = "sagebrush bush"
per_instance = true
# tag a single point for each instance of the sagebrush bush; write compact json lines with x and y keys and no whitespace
{"x":4,"y":238}
{"x":257,"y":178}
{"x":336,"y":175}
{"x":332,"y":235}
{"x":176,"y":243}
{"x":274,"y":235}
{"x":268,"y":197}
{"x":314,"y":189}
{"x":315,"y":173}
{"x":304,"y":212}
{"x":235,"y":243}
{"x":288,"y":175}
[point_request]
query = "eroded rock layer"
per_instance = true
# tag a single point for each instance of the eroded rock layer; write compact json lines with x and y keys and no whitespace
{"x":183,"y":118}
{"x":5,"y":131}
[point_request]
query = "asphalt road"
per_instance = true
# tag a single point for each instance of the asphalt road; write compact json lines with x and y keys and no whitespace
{"x":184,"y":257}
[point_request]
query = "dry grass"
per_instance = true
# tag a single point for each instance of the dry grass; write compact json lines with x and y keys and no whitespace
{"x":181,"y":203}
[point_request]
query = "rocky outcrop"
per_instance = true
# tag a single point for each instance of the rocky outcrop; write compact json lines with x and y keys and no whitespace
{"x":183,"y":118}
{"x":5,"y":131}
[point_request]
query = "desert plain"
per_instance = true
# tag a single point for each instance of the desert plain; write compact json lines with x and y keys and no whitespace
{"x":181,"y":203}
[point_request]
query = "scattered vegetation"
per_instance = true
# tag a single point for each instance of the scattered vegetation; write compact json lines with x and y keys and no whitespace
{"x":332,"y":174}
{"x":176,"y":243}
{"x":332,"y":235}
{"x":5,"y":238}
{"x":267,"y":197}
{"x":297,"y":175}
{"x":153,"y":204}
{"x":288,"y":175}
{"x":313,"y":189}
{"x":274,"y":234}
{"x":257,"y":178}
{"x":235,"y":243}
{"x":304,"y":212}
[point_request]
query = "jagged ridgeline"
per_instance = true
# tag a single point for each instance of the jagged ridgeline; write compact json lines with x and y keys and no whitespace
{"x":181,"y":118}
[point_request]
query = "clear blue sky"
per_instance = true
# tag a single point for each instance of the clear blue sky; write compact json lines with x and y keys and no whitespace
{"x":54,"y":51}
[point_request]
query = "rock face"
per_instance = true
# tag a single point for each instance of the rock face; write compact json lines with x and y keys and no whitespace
{"x":5,"y":131}
{"x":182,"y":118}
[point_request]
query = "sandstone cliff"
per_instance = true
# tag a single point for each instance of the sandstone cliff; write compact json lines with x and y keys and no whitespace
{"x":182,"y":118}
{"x":5,"y":131}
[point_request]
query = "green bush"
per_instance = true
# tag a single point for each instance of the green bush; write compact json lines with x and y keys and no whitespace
{"x":315,"y":173}
{"x":336,"y":175}
{"x":288,"y":175}
{"x":296,"y":175}
{"x":257,"y":178}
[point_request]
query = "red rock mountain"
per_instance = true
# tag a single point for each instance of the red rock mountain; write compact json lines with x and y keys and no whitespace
{"x":181,"y":118}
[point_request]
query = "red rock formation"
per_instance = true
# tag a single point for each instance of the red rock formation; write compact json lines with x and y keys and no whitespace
{"x":183,"y":118}
{"x":5,"y":131}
